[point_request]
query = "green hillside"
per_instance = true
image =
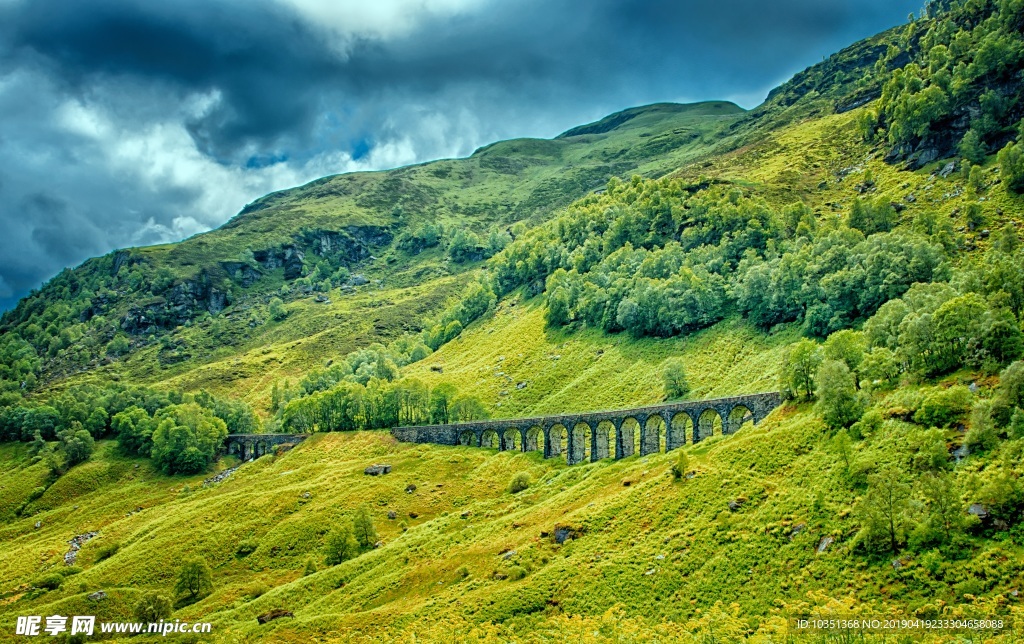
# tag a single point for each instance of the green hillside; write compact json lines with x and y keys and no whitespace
{"x":853,"y":242}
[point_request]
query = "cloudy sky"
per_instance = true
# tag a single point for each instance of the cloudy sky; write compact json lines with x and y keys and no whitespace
{"x":130,"y":122}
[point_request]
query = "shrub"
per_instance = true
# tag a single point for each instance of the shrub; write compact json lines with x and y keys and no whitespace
{"x":362,"y":527}
{"x":277,"y":310}
{"x":462,"y":572}
{"x":1011,"y":167}
{"x":245,"y":548}
{"x":944,"y":407}
{"x":49,"y":582}
{"x":519,"y":482}
{"x":681,"y":466}
{"x":983,"y":435}
{"x":515,"y":573}
{"x":107,"y":551}
{"x":310,"y":567}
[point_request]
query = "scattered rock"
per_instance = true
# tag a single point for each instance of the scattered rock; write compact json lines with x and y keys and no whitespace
{"x":409,"y":489}
{"x":626,"y":482}
{"x":521,"y":385}
{"x":306,"y":495}
{"x":978,"y":510}
{"x":377,"y":470}
{"x":910,"y":198}
{"x":378,"y":544}
{"x":76,"y":544}
{"x":737,"y":504}
{"x":392,"y":515}
{"x":38,"y":524}
{"x":897,"y":564}
{"x":217,"y":478}
{"x":659,"y":557}
{"x":824,"y":544}
{"x":277,"y":613}
{"x":358,"y":280}
{"x":797,"y":529}
{"x":973,"y":387}
{"x":99,"y":595}
{"x":413,"y":515}
{"x":436,"y":367}
{"x":508,"y":555}
{"x":565,"y":533}
{"x":466,"y":514}
{"x":947,"y":169}
{"x":649,"y":572}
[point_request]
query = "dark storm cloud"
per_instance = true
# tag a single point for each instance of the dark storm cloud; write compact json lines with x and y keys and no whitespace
{"x":129,"y":122}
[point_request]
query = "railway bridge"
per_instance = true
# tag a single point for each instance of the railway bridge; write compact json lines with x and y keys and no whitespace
{"x":603,"y":434}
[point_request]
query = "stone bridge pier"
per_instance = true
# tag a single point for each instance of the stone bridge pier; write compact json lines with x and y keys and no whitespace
{"x":250,"y":446}
{"x":606,"y":434}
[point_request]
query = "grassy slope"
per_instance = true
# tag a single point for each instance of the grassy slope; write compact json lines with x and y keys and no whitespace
{"x":658,"y":549}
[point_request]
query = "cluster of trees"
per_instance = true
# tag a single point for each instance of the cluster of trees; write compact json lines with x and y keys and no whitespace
{"x":379,"y":403}
{"x":462,"y":246}
{"x":181,"y":432}
{"x":349,"y":538}
{"x":966,"y":60}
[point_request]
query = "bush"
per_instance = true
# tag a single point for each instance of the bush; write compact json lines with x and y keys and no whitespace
{"x":519,"y":482}
{"x":944,"y":407}
{"x":462,"y":572}
{"x":681,"y":466}
{"x":49,"y":582}
{"x":107,"y":551}
{"x":245,"y":548}
{"x":515,"y":573}
{"x":277,"y":310}
{"x":310,"y":567}
{"x":362,"y":527}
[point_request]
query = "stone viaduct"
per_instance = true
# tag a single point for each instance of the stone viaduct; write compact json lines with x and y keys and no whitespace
{"x":602,"y":434}
{"x":249,"y":446}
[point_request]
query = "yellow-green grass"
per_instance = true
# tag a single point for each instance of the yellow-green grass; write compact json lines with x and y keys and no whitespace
{"x":517,"y":366}
{"x":660,"y":550}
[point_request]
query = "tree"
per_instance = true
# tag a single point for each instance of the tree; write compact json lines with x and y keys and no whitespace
{"x":76,"y":443}
{"x":1011,"y":385}
{"x":362,"y":527}
{"x":1011,"y":167}
{"x":341,"y":545}
{"x":195,"y":579}
{"x":673,"y":375}
{"x":838,"y":404}
{"x":134,"y":430}
{"x":186,"y":438}
{"x":846,"y":345}
{"x":972,"y":147}
{"x":843,"y":445}
{"x":800,"y":363}
{"x":440,"y":403}
{"x":945,"y":507}
{"x":153,"y":607}
{"x":885,"y":509}
{"x":467,"y":408}
{"x":118,"y":346}
{"x":277,"y":310}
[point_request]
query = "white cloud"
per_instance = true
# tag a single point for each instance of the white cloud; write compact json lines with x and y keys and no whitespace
{"x":377,"y":18}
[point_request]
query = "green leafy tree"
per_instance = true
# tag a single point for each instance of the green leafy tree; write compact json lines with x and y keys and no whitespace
{"x":946,"y":510}
{"x":800,"y":363}
{"x":673,"y":375}
{"x":77,"y":444}
{"x":441,"y":398}
{"x":152,"y":607}
{"x":848,"y":346}
{"x":118,"y":346}
{"x":972,"y":147}
{"x":467,"y":408}
{"x":134,"y":430}
{"x":341,"y":545}
{"x":1011,"y":167}
{"x":195,"y":579}
{"x":519,"y":482}
{"x":362,"y":527}
{"x":839,"y":404}
{"x":681,"y":466}
{"x":885,"y":510}
{"x":843,"y":446}
{"x":186,"y":438}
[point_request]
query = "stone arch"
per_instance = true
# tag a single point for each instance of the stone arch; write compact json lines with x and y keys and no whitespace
{"x":535,"y":440}
{"x":489,"y":439}
{"x":558,"y":439}
{"x":629,"y":437}
{"x":681,"y":425}
{"x":653,"y":435}
{"x":604,"y":444}
{"x":512,"y":440}
{"x":234,"y":447}
{"x":738,"y":416}
{"x":579,"y":443}
{"x":467,"y":437}
{"x":709,"y":423}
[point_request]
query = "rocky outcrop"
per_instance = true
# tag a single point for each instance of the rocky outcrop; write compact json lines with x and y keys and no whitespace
{"x":242,"y":273}
{"x":180,"y":303}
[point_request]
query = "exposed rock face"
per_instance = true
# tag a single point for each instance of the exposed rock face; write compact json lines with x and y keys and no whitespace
{"x":377,"y":470}
{"x":242,"y":273}
{"x":179,"y":304}
{"x":76,"y":544}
